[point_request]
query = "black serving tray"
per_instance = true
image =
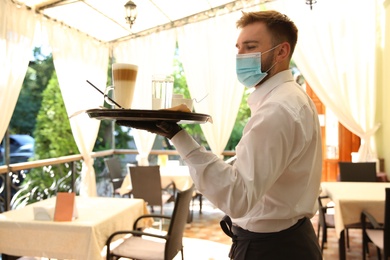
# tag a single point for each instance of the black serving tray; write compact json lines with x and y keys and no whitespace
{"x":149,"y":115}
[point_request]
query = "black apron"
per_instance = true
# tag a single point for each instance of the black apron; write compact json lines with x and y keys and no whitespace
{"x":297,"y":242}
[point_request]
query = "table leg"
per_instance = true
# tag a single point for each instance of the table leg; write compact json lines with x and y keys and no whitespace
{"x":342,"y":255}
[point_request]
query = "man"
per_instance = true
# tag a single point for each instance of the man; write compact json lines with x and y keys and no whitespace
{"x":269,"y":192}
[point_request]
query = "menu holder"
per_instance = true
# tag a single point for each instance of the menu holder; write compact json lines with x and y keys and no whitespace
{"x":65,"y":208}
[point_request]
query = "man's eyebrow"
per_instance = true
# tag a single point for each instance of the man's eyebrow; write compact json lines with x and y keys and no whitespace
{"x":248,"y":42}
{"x":251,"y":41}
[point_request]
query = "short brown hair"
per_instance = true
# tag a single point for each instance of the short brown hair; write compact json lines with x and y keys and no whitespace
{"x":279,"y":25}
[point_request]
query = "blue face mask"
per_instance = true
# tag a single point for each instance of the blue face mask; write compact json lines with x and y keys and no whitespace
{"x":248,"y":68}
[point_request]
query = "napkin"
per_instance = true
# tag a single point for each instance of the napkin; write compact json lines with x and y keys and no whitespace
{"x":44,"y":212}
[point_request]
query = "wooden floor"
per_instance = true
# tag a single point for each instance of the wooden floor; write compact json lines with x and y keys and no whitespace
{"x":206,"y":226}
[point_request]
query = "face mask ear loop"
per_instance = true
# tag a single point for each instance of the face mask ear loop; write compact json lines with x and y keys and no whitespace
{"x":271,"y":67}
{"x":272,"y":48}
{"x":269,"y":51}
{"x":275,"y":62}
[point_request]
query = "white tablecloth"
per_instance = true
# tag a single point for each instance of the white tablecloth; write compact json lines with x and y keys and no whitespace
{"x":351,"y":198}
{"x":81,"y":239}
{"x":178,"y":174}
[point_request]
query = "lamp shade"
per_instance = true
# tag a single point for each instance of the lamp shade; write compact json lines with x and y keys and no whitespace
{"x":130,"y":12}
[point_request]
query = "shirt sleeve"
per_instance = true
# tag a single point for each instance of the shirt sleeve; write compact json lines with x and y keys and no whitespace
{"x":261,"y":158}
{"x":211,"y":175}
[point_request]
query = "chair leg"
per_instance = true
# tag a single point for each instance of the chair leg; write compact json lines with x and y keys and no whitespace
{"x":318,"y":231}
{"x":364,"y":245}
{"x":379,"y":253}
{"x":200,"y":203}
{"x":347,"y":235}
{"x":190,"y":216}
{"x":324,"y":235}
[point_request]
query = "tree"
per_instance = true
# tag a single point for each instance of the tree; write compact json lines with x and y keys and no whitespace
{"x":37,"y":77}
{"x":181,"y":87}
{"x":53,"y":138}
{"x":241,"y":120}
{"x":53,"y":135}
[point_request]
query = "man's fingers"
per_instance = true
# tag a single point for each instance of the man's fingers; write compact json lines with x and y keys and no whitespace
{"x":165,"y":126}
{"x":169,"y":128}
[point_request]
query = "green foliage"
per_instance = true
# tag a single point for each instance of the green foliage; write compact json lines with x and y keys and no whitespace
{"x":53,"y":135}
{"x":43,"y":184}
{"x":241,"y":120}
{"x":53,"y":138}
{"x":181,"y":87}
{"x":180,"y":83}
{"x":29,"y":102}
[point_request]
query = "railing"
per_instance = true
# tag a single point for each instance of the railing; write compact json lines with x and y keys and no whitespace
{"x":11,"y":175}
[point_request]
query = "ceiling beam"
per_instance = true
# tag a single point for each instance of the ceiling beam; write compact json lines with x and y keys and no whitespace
{"x":54,"y":3}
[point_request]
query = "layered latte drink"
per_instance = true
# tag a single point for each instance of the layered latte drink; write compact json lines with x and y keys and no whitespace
{"x":124,"y":77}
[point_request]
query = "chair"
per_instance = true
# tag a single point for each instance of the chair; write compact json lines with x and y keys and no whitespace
{"x":115,"y":173}
{"x":138,"y":246}
{"x":358,"y":171}
{"x":376,"y":233}
{"x":325,"y":220}
{"x":146,"y":185}
{"x":199,"y":196}
{"x":196,"y":195}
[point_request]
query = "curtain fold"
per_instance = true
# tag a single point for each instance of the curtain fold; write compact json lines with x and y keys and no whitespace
{"x":154,"y":55}
{"x":337,"y":55}
{"x":78,"y":58}
{"x":207,"y":50}
{"x":17,"y":28}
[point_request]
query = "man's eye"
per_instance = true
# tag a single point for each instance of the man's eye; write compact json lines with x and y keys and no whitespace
{"x":251,"y":47}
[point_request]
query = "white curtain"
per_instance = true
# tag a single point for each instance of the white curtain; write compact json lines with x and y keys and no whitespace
{"x":17,"y":27}
{"x":207,"y":50}
{"x":336,"y":54}
{"x":78,"y":58}
{"x":385,"y":130}
{"x":154,"y":55}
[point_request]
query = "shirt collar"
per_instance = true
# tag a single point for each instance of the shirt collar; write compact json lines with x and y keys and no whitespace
{"x":257,"y":97}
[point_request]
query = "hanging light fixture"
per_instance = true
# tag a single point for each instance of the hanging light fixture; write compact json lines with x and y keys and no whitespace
{"x":131,"y":12}
{"x":311,"y":2}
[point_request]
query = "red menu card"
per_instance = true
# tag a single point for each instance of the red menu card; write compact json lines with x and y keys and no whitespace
{"x":65,"y":209}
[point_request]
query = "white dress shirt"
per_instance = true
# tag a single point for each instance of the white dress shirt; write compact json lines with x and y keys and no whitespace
{"x":276,"y":177}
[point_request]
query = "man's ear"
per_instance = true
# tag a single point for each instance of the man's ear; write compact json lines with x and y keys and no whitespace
{"x":283,"y":52}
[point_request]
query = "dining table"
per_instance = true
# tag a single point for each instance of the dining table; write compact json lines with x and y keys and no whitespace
{"x":179,"y":174}
{"x":83,"y":238}
{"x":350,"y":199}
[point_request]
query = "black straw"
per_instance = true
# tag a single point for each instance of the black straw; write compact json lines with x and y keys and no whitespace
{"x":104,"y":94}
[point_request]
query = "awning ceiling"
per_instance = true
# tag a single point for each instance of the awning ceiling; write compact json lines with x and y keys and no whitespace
{"x":105,"y":19}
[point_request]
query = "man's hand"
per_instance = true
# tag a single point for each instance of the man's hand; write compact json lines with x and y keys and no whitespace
{"x":163,"y":128}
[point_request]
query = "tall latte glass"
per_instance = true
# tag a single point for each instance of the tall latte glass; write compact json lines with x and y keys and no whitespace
{"x":124,"y":76}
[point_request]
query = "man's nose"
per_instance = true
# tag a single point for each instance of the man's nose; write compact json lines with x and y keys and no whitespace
{"x":240,"y":51}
